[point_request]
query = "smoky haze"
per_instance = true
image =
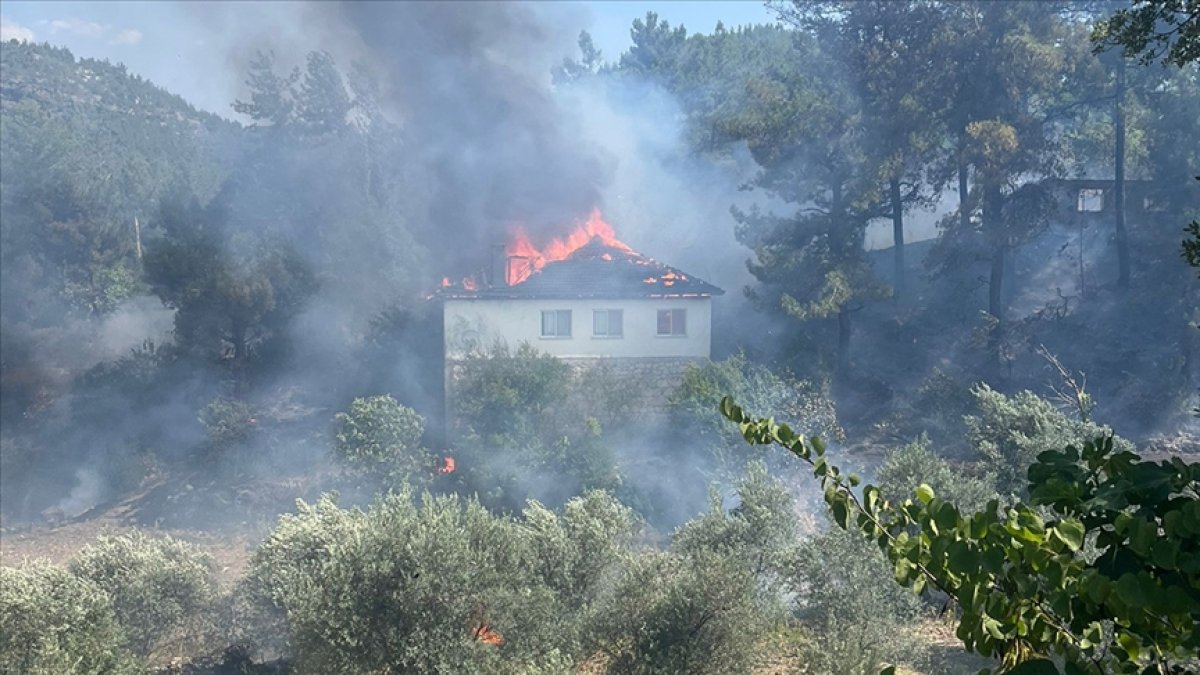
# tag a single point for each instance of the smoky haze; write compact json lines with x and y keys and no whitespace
{"x":469,"y":84}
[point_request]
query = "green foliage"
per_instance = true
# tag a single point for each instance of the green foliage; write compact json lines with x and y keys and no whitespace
{"x":655,"y":45}
{"x":161,"y":589}
{"x":1010,"y":432}
{"x":1152,"y":30}
{"x":760,"y":530}
{"x":535,"y":410}
{"x":579,"y":556}
{"x":705,"y":605}
{"x":78,"y":172}
{"x":231,"y":293}
{"x":322,"y":102}
{"x":381,"y":438}
{"x":502,"y":393}
{"x":908,"y":467}
{"x":1191,"y":245}
{"x":397,"y":588}
{"x":1025,"y":590}
{"x":53,"y":622}
{"x":445,"y":586}
{"x":228,"y":423}
{"x":857,"y":619}
{"x":270,"y":101}
{"x":799,"y":403}
{"x":689,"y":614}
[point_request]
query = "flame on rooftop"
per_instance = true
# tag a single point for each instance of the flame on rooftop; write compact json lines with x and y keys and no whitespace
{"x":525,"y":258}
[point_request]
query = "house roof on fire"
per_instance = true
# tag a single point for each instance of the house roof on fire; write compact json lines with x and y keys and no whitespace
{"x":595,"y":270}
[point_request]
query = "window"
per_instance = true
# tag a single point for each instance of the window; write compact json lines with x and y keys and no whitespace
{"x":607,"y":323}
{"x":1154,"y":204}
{"x":1091,"y":200}
{"x":672,"y":322}
{"x":556,"y":323}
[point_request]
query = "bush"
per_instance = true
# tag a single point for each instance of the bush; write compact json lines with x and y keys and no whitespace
{"x":579,"y":556}
{"x":761,"y":530}
{"x":228,"y":423}
{"x":695,"y":404}
{"x":381,"y":438}
{"x":53,"y":622}
{"x":1010,"y":432}
{"x":907,"y":467}
{"x":523,"y":428}
{"x":162,"y":589}
{"x":846,"y":597}
{"x":506,"y":395}
{"x":704,"y":606}
{"x":683,"y":614}
{"x":440,"y":587}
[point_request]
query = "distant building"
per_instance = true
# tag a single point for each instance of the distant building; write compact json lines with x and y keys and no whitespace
{"x":603,"y":303}
{"x":1091,"y":201}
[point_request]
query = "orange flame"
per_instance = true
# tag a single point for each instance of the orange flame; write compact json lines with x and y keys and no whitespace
{"x":445,"y":282}
{"x":520,"y":246}
{"x":487,"y":635}
{"x":447,"y":465}
{"x":470,"y":284}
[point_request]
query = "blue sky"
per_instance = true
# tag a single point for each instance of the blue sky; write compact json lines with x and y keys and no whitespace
{"x":188,"y":47}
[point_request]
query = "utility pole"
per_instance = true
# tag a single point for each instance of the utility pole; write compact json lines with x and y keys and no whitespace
{"x":137,"y":238}
{"x":1119,"y":177}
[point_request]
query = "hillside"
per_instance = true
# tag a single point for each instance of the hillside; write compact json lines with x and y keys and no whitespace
{"x":58,"y":83}
{"x":88,"y":152}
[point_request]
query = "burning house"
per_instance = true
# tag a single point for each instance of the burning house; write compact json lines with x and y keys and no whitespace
{"x":586,"y":298}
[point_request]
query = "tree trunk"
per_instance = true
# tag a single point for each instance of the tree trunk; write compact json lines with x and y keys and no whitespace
{"x":1119,"y":178}
{"x":964,"y":194}
{"x":838,"y":213}
{"x":897,"y":238}
{"x":238,"y":337}
{"x":993,"y":228}
{"x":843,"y":351}
{"x":996,"y":284}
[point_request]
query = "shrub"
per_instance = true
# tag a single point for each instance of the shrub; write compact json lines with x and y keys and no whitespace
{"x":703,"y":606}
{"x":53,"y":622}
{"x":683,"y":614}
{"x":907,"y":467}
{"x":527,"y":410}
{"x":503,"y":394}
{"x":695,"y":405}
{"x":381,"y":438}
{"x":162,"y":589}
{"x":846,"y":597}
{"x":440,"y":587}
{"x":579,"y":555}
{"x":1010,"y":432}
{"x":761,"y":530}
{"x":228,"y":422}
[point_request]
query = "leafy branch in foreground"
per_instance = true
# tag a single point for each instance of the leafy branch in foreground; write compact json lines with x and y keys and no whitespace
{"x":1101,"y":570}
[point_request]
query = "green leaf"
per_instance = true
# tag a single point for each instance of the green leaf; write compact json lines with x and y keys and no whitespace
{"x":1130,"y":644}
{"x":924,"y":493}
{"x":1071,"y":532}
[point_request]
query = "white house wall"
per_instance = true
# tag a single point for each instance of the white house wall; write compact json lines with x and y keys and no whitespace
{"x":479,"y":324}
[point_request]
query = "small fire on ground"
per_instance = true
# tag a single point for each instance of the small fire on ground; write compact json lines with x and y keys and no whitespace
{"x":446,"y":465}
{"x":488,"y":635}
